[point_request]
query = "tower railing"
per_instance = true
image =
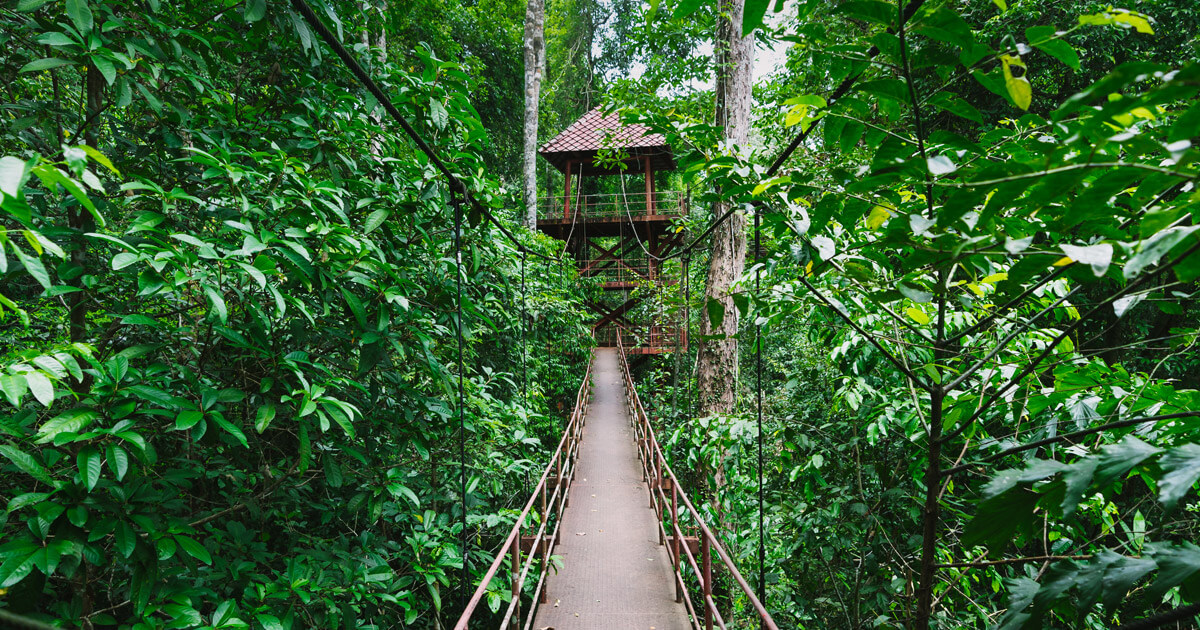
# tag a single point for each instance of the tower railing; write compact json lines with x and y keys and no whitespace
{"x":613,"y":205}
{"x":619,"y":270}
{"x":638,"y":338}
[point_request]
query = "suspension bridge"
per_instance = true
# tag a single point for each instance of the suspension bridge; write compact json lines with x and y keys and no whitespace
{"x":635,"y":551}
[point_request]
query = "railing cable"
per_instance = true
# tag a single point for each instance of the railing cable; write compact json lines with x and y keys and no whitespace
{"x":456,"y":201}
{"x":524,"y":362}
{"x":687,"y":329}
{"x":364,"y":78}
{"x":762,"y":553}
{"x":656,"y":467}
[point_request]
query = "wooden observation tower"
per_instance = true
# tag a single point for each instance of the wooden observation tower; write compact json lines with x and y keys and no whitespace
{"x":618,"y":236}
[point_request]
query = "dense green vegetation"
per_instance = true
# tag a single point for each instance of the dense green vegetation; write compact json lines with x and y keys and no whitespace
{"x":229,"y":337}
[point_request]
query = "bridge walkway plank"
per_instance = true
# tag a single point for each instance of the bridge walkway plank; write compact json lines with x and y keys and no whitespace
{"x":615,"y":575}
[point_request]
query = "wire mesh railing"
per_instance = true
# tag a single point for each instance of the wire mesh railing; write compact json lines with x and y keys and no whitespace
{"x":613,"y":205}
{"x":691,"y":543}
{"x":659,"y":337}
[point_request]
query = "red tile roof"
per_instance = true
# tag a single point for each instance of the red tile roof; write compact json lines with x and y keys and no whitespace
{"x":588,"y":134}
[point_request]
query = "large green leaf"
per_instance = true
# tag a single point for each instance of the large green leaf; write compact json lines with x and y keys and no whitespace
{"x":13,"y":175}
{"x":752,"y":18}
{"x":33,"y":266}
{"x":954,"y":104}
{"x":255,"y":10}
{"x":869,"y":10}
{"x":1118,"y":459}
{"x":1181,"y":468}
{"x":1154,"y":248}
{"x":1045,"y":39}
{"x":47,"y":63}
{"x":230,"y":428}
{"x":263,"y":417}
{"x":81,"y":15}
{"x":686,"y":7}
{"x":193,"y":548}
{"x":41,"y":387}
{"x":1018,"y":86}
{"x":26,"y":463}
{"x":999,"y":518}
{"x":89,"y":462}
{"x":26,"y":6}
{"x":188,"y":419}
{"x":73,"y":421}
{"x":1036,"y":470}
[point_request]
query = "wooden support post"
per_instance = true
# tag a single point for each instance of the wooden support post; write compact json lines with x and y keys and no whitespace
{"x":649,"y":186}
{"x":567,"y":194}
{"x":545,"y":551}
{"x":658,"y":507}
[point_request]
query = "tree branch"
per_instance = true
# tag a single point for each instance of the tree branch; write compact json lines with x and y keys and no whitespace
{"x":1063,"y":335}
{"x":1128,"y":422}
{"x":1068,"y":168}
{"x":1008,"y":561}
{"x":840,"y":310}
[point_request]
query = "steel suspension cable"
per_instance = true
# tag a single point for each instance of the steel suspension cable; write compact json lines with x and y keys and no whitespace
{"x":762,"y":554}
{"x":842,"y":89}
{"x":456,"y":201}
{"x":364,"y":78}
{"x":687,"y":327}
{"x":524,"y":361}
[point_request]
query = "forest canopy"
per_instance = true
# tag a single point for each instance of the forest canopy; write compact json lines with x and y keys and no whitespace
{"x":263,"y":364}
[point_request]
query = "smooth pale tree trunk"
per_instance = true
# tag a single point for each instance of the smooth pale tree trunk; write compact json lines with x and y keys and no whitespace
{"x":717,"y":360}
{"x":375,"y":147}
{"x":535,"y":61}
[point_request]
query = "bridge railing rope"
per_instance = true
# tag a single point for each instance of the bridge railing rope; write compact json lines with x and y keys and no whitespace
{"x":670,"y":502}
{"x":549,"y":499}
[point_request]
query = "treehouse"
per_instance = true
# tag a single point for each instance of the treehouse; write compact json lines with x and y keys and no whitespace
{"x":616,"y":229}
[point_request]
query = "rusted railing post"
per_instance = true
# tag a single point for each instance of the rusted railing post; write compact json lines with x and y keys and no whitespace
{"x":676,"y":534}
{"x":706,"y":582}
{"x":544,"y":550}
{"x":655,"y":473}
{"x":514,"y":621}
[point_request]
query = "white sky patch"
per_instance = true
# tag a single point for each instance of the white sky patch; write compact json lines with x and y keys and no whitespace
{"x":767,"y":60}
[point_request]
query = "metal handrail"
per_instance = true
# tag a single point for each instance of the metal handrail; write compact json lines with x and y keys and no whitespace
{"x":552,"y":505}
{"x":656,"y":203}
{"x":654,"y":467}
{"x":643,"y":335}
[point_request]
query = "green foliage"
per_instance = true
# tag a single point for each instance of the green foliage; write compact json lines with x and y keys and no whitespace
{"x":227,"y":345}
{"x":988,"y":241}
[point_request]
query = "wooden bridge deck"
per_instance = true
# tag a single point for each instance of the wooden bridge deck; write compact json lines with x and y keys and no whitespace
{"x":615,"y":575}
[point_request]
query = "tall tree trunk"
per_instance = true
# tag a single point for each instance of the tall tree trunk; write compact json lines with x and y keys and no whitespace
{"x":535,"y":61}
{"x":80,"y":221}
{"x":375,"y":147}
{"x":717,"y":360}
